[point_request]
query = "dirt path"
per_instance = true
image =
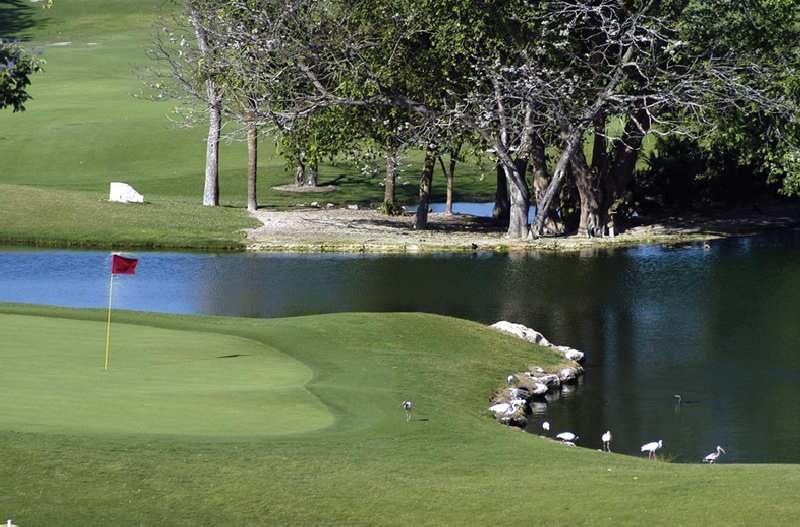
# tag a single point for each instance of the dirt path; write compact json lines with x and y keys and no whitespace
{"x":345,"y":230}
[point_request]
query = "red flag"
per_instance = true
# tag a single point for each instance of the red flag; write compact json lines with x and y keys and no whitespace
{"x":122,"y":265}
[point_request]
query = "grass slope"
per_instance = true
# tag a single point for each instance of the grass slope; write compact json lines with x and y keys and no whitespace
{"x":451,"y":465}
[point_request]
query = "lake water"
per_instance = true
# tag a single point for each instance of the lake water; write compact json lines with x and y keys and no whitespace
{"x":720,"y":327}
{"x":481,"y":210}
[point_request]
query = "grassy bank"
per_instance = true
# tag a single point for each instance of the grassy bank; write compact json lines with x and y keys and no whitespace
{"x":313,"y":431}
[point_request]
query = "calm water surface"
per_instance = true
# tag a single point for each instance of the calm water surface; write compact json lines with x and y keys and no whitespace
{"x":719,"y":327}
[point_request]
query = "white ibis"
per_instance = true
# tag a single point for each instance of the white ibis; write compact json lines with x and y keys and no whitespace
{"x":511,"y":379}
{"x":546,"y":426}
{"x":566,"y":436}
{"x":713,"y":456}
{"x":407,"y":406}
{"x":606,"y":441}
{"x":508,"y":409}
{"x":651,"y":448}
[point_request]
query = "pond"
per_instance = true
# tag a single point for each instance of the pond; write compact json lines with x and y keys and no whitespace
{"x":719,"y":327}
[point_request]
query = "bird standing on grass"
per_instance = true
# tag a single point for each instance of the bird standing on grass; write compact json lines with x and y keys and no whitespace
{"x":606,"y":441}
{"x":713,"y":456}
{"x":407,"y":406}
{"x":546,"y":426}
{"x":511,"y":379}
{"x":651,"y":448}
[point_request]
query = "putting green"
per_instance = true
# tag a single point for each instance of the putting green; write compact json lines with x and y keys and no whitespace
{"x":160,"y":382}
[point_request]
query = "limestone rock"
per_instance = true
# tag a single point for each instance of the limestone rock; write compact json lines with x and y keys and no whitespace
{"x":569,"y":374}
{"x":523,"y":332}
{"x":570,"y":353}
{"x":531,"y":335}
{"x":540,"y":389}
{"x":124,"y":193}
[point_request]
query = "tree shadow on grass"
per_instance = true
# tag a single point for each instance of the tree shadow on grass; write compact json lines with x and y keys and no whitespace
{"x":17,"y":17}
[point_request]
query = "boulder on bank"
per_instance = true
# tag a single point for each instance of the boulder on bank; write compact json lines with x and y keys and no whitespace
{"x":124,"y":193}
{"x":523,"y":332}
{"x":531,"y":335}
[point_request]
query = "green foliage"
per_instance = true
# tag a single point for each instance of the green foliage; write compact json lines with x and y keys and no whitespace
{"x":17,"y":65}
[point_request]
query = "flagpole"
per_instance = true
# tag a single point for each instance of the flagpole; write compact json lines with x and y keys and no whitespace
{"x":108,"y":326}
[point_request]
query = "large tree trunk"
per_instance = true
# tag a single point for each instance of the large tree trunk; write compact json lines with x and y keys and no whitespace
{"x":425,"y":182}
{"x":592,"y":183}
{"x":389,"y":194}
{"x":573,"y":141}
{"x":214,"y":101}
{"x":300,"y":173}
{"x":519,"y":200}
{"x":252,"y":164}
{"x":594,"y":211}
{"x":211,"y":183}
{"x":501,"y":210}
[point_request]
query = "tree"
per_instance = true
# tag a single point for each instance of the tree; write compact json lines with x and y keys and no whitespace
{"x":17,"y":66}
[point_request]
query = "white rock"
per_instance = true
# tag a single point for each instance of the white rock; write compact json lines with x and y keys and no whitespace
{"x":570,"y":353}
{"x":540,"y":389}
{"x":568,"y":374}
{"x":523,"y":332}
{"x":549,"y":380}
{"x":124,"y":193}
{"x":352,"y":207}
{"x":315,"y":203}
{"x":329,"y":205}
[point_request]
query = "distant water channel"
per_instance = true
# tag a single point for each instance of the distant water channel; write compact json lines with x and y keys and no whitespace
{"x":719,"y":327}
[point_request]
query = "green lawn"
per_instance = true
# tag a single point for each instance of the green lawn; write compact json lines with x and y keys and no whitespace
{"x":319,"y":436}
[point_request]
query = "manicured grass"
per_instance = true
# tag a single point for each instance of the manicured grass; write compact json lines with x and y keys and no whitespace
{"x":44,"y":216}
{"x":451,"y":465}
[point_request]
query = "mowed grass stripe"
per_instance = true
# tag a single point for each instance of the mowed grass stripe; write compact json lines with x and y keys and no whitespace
{"x":160,"y":382}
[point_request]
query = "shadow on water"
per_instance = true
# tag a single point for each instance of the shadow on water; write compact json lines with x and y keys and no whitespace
{"x":17,"y":17}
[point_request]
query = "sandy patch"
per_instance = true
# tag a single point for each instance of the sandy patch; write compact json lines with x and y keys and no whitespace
{"x":345,"y":230}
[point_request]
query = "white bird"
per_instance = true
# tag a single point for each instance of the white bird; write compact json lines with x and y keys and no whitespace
{"x":566,"y":436}
{"x":606,"y":441}
{"x":511,"y":379}
{"x":713,"y":456}
{"x":546,"y":426}
{"x":507,"y":409}
{"x":651,"y":448}
{"x":407,"y":406}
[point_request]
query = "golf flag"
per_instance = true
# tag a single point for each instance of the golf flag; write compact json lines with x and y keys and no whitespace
{"x":122,"y":265}
{"x":119,"y":265}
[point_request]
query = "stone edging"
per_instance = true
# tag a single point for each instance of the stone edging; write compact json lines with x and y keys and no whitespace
{"x":510,"y":403}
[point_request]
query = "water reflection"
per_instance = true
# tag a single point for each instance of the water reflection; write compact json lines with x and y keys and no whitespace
{"x":718,"y":327}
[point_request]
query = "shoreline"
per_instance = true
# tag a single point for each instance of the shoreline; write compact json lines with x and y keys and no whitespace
{"x":367,"y":231}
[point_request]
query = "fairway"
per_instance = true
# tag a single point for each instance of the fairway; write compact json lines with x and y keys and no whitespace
{"x":70,"y":457}
{"x":160,"y":382}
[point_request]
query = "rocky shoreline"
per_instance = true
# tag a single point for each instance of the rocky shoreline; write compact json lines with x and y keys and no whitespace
{"x":510,"y":404}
